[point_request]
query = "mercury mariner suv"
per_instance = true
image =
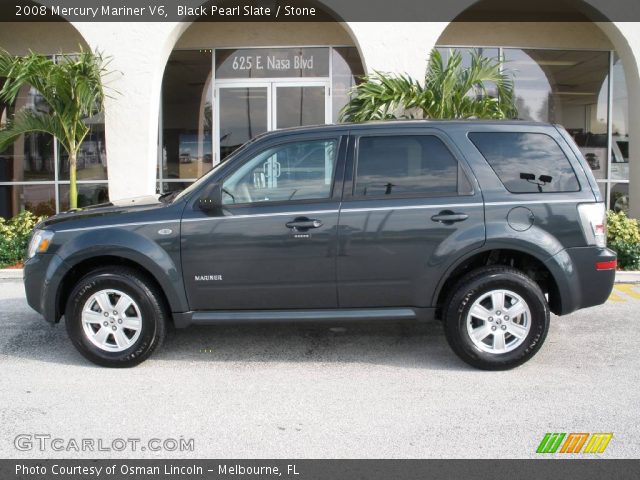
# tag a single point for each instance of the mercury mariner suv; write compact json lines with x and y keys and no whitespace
{"x":487,"y":226}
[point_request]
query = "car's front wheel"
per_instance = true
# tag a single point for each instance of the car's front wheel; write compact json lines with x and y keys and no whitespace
{"x":496,"y":318}
{"x":115,"y":317}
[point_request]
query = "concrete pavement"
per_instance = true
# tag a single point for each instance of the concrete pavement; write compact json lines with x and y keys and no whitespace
{"x":314,"y":391}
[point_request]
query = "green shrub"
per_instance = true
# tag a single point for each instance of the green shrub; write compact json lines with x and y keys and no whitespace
{"x":628,"y":254}
{"x":14,"y":236}
{"x":623,"y":236}
{"x":622,"y":228}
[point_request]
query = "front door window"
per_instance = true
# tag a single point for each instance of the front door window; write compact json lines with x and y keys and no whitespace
{"x":289,"y":172}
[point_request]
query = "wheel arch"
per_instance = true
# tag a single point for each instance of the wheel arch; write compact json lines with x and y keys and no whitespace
{"x":123,"y":248}
{"x":82,"y":268}
{"x":526,"y":261}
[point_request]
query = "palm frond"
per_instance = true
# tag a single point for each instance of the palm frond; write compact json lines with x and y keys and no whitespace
{"x":71,"y":87}
{"x":450,"y":90}
{"x":28,"y":121}
{"x":382,"y":96}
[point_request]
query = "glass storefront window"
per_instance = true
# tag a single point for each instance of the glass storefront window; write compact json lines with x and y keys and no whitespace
{"x":619,"y":123}
{"x":32,"y":158}
{"x":245,"y":112}
{"x":297,"y":106}
{"x":186,"y":115}
{"x":37,"y":198}
{"x":345,"y":73}
{"x":566,"y":87}
{"x":92,"y":158}
{"x":88,"y":194}
{"x":619,"y":197}
{"x":602,"y":186}
{"x":571,"y":88}
{"x":256,"y":90}
{"x":172,"y":186}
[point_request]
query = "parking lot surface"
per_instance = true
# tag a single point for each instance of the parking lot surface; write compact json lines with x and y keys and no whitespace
{"x":320,"y":391}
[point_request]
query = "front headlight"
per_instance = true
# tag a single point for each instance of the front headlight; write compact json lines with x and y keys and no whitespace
{"x":40,"y":242}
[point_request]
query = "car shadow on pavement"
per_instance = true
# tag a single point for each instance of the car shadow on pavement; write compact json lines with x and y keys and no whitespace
{"x":402,"y":344}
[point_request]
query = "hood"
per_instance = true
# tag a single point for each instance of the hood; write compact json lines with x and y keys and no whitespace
{"x":114,"y":208}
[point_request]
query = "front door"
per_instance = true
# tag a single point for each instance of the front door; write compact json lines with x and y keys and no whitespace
{"x":408,"y":211}
{"x":273,"y":245}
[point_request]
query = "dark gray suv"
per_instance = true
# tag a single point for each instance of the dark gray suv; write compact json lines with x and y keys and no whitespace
{"x":488,"y":226}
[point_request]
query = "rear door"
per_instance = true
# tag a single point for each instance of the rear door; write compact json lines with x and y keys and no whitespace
{"x":409,"y":209}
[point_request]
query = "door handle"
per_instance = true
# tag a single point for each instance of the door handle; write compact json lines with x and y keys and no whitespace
{"x":304,"y":223}
{"x":448,"y":217}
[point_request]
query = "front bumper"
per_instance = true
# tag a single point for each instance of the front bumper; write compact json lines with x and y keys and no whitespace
{"x":42,"y":276}
{"x":580,"y":283}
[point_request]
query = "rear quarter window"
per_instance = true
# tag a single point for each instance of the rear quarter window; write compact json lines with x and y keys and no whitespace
{"x":527,"y":162}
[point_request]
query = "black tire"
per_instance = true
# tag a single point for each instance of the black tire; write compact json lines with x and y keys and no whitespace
{"x":148,"y":300}
{"x":474,"y":286}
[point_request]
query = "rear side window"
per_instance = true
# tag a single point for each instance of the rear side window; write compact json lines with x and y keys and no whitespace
{"x":527,"y":162}
{"x":407,"y":165}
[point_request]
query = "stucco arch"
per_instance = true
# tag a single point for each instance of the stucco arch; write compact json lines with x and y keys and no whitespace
{"x":200,"y":37}
{"x":48,"y":39}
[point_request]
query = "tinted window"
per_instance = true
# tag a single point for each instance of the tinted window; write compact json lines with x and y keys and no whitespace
{"x":527,"y":162}
{"x":294,"y":171}
{"x":407,"y":164}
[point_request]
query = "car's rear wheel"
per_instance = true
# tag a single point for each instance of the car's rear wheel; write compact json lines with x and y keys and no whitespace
{"x":115,"y":317}
{"x":496,"y":318}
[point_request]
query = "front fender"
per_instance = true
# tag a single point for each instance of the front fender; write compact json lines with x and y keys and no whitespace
{"x":159,"y":259}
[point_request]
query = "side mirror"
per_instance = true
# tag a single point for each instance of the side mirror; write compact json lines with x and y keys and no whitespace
{"x":211,"y":199}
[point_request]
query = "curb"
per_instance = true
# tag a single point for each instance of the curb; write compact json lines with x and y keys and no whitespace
{"x":621,"y":276}
{"x":628,"y":277}
{"x":11,"y":273}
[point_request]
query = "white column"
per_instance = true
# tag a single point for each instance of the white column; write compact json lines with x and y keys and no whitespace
{"x":137,"y":59}
{"x":625,"y":37}
{"x":396,"y":47}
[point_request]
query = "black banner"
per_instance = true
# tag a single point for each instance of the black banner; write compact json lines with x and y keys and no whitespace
{"x":318,"y":10}
{"x":594,"y":469}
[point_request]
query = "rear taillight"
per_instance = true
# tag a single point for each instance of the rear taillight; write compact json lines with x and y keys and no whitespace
{"x":607,"y":265}
{"x":593,"y":220}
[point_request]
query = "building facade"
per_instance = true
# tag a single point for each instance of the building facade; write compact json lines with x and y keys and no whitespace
{"x":183,"y":96}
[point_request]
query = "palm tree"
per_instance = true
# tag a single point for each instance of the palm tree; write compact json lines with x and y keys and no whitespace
{"x":72,"y":88}
{"x":449,"y":91}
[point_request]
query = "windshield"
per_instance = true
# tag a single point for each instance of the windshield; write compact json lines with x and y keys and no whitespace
{"x":173,"y":197}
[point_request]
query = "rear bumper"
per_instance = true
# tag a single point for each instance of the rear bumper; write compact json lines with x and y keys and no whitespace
{"x":584,"y":277}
